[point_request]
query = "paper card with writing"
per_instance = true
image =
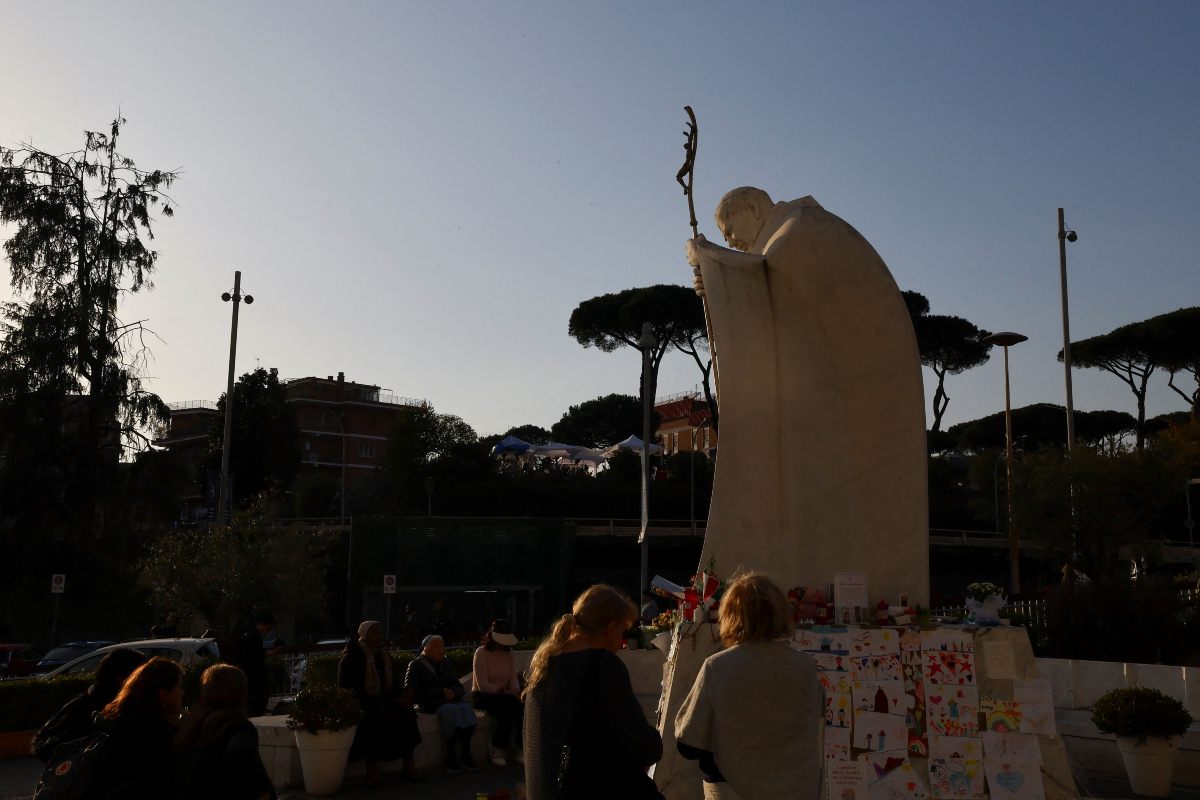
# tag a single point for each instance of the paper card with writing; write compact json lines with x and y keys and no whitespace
{"x":1037,"y":719}
{"x":1037,"y":692}
{"x":1000,"y":661}
{"x":1000,"y":715}
{"x":877,"y":642}
{"x":823,"y":639}
{"x":956,"y":767}
{"x":884,"y":697}
{"x":1009,"y":779}
{"x":914,"y":701}
{"x":838,"y":708}
{"x":884,"y":762}
{"x":1011,"y":746}
{"x":949,"y":640}
{"x":831,"y":662}
{"x":951,"y":710}
{"x":837,"y":744}
{"x":910,"y":640}
{"x":847,"y":780}
{"x":879,"y":732}
{"x":876,"y":668}
{"x":950,"y":668}
{"x":901,"y":783}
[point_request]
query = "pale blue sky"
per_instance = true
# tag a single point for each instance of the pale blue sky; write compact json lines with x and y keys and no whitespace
{"x":419,"y":194}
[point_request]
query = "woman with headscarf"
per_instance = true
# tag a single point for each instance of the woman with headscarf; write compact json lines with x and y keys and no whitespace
{"x":388,"y":730}
{"x":437,"y":690}
{"x":217,"y":746}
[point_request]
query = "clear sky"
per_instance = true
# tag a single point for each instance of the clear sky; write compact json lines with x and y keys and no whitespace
{"x":418,"y":194}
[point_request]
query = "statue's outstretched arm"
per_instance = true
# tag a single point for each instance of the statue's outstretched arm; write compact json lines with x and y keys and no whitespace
{"x":701,"y":250}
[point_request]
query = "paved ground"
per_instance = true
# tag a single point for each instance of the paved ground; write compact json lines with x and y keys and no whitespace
{"x":19,"y":776}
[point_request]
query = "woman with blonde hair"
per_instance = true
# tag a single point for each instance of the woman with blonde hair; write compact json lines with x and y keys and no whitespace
{"x":217,"y":746}
{"x":586,"y":735}
{"x":753,"y":715}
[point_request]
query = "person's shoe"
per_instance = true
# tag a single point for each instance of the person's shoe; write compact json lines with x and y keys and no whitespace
{"x":468,"y":760}
{"x":464,"y":736}
{"x":496,"y":756}
{"x":518,"y":753}
{"x":410,"y":774}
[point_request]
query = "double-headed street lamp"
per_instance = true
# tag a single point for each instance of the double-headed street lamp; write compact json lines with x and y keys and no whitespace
{"x":1007,"y":339}
{"x":237,"y":298}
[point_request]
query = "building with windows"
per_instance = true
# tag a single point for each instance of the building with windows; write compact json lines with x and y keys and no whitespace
{"x":339,"y":420}
{"x":685,"y":424}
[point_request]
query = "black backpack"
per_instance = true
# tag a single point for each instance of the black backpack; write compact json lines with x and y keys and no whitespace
{"x":71,"y":770}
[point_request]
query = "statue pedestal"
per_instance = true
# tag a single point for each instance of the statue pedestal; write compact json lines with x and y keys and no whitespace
{"x":677,"y":777}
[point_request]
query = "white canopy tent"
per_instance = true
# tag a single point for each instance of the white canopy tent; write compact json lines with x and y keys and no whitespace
{"x":632,"y":443}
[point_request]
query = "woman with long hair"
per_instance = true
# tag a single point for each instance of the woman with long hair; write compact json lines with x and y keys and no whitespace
{"x":140,"y":723}
{"x":586,"y":735}
{"x":496,"y":689}
{"x":753,"y":717}
{"x":217,"y":746}
{"x":76,"y":719}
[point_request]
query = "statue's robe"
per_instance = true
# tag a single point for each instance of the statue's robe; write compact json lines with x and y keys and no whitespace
{"x":821,"y":454}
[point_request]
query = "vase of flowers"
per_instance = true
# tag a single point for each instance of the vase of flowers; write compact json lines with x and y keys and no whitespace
{"x":1147,"y":724}
{"x":984,"y":601}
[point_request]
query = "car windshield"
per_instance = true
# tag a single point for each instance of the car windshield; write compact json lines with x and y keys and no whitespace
{"x":86,"y":666}
{"x":66,"y":653}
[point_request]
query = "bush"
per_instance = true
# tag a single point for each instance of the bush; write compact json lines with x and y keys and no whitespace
{"x":528,"y":644}
{"x":322,"y":669}
{"x":1140,"y":712}
{"x":27,"y":704}
{"x":324,"y":708}
{"x":191,"y":680}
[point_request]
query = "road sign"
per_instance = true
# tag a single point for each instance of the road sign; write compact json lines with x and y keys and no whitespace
{"x":57,"y":584}
{"x":389,"y":584}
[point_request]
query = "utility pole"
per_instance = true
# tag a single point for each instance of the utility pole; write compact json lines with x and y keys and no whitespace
{"x":647,"y":344}
{"x":1063,"y":238}
{"x":1007,"y":339}
{"x":236,"y":297}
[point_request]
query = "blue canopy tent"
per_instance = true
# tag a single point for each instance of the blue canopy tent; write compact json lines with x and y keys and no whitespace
{"x":511,"y":444}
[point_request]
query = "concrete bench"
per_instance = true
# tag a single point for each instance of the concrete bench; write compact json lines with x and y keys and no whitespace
{"x":277,"y":744}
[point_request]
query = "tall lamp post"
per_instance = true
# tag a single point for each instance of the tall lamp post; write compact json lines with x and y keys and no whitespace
{"x":646,"y":344}
{"x":1007,"y":339}
{"x":237,"y":298}
{"x":1064,"y":236}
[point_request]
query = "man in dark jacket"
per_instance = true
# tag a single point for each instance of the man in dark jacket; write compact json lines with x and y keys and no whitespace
{"x":252,"y":659}
{"x":74,"y":720}
{"x":437,"y":690}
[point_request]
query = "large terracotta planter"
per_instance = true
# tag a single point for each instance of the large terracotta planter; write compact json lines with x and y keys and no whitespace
{"x":1148,"y":765}
{"x":323,"y":758}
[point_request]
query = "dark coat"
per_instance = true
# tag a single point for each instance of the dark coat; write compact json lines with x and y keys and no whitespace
{"x":73,"y":721}
{"x":425,"y":680}
{"x":352,"y":675}
{"x":388,"y":730}
{"x":229,"y":768}
{"x":138,"y":759}
{"x":586,"y":700}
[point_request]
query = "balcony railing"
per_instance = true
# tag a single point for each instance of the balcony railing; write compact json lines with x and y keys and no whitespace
{"x":671,"y":398}
{"x":187,"y":404}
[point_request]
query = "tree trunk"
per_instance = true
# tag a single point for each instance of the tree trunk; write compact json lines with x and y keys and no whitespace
{"x":940,"y":401}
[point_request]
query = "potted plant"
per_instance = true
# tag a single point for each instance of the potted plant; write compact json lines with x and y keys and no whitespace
{"x":984,"y":601}
{"x":1145,"y":722}
{"x":324,"y":719}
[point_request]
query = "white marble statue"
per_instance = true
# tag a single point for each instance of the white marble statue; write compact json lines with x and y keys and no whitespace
{"x":821,"y":464}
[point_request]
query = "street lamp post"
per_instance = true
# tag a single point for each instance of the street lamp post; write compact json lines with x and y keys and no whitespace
{"x":1007,"y":339}
{"x":1063,"y":237}
{"x":647,"y":344}
{"x":237,"y":298}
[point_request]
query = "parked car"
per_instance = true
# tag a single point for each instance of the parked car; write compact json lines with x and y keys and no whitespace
{"x":302,"y":666}
{"x":182,"y":651}
{"x":66,"y":653}
{"x":18,"y":660}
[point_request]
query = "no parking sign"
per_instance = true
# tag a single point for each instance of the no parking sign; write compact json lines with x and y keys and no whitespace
{"x":58,"y":584}
{"x":389,"y":584}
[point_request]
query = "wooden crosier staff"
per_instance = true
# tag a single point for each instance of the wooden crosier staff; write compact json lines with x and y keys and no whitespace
{"x":689,"y":170}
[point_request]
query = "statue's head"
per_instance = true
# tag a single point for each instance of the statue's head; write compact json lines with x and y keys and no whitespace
{"x":741,"y":214}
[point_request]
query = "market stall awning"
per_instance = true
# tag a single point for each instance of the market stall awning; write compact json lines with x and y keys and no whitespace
{"x":632,"y":443}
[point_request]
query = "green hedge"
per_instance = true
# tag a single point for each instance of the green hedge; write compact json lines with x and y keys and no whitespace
{"x":322,"y":669}
{"x":27,"y":704}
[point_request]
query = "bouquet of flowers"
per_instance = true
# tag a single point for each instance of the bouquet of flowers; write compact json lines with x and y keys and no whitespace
{"x":984,"y":601}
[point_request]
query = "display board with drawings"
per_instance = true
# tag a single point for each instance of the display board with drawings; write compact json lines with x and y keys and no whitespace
{"x":898,"y":694}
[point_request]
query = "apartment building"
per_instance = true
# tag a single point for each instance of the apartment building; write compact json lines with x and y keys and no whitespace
{"x":684,"y":419}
